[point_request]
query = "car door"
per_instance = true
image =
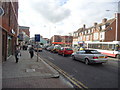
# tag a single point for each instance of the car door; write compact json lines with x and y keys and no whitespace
{"x":81,"y":55}
{"x":61,"y":50}
{"x":76,"y":54}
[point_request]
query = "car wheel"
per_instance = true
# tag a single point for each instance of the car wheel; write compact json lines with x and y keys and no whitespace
{"x":73,"y":57}
{"x":118,"y":56}
{"x":87,"y":61}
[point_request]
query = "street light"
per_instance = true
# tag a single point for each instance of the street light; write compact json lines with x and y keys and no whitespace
{"x":116,"y":17}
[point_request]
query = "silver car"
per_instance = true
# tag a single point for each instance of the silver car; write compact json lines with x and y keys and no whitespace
{"x":89,"y":56}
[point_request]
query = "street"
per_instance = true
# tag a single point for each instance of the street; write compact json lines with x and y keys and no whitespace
{"x":92,"y":76}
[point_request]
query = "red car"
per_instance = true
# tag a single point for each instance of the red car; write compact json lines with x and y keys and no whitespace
{"x":65,"y":51}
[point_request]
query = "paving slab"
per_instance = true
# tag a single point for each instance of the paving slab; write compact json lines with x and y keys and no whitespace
{"x":28,"y":73}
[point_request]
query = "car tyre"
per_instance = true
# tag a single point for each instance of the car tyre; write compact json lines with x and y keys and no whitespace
{"x":118,"y":56}
{"x":87,"y":61}
{"x":73,"y":57}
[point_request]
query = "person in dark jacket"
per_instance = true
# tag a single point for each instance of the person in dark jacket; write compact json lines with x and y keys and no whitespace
{"x":17,"y":53}
{"x":31,"y":51}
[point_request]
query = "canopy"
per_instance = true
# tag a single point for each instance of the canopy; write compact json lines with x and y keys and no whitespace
{"x":57,"y":43}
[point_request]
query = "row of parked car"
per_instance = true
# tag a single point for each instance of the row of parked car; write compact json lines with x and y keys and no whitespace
{"x":60,"y":50}
{"x":87,"y":56}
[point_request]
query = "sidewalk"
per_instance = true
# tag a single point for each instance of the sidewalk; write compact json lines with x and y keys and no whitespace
{"x":28,"y":73}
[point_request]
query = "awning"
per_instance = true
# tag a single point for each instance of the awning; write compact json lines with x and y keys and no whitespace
{"x":57,"y":43}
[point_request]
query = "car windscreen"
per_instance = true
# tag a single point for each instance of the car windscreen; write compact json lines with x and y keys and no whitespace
{"x":68,"y":49}
{"x":38,"y":46}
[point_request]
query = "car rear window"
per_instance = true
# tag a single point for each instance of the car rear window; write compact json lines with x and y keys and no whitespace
{"x":68,"y":49}
{"x":92,"y":52}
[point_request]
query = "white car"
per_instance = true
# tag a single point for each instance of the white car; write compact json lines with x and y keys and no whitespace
{"x":89,"y":56}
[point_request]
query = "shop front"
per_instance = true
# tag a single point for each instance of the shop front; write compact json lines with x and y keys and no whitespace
{"x":4,"y":45}
{"x":9,"y":45}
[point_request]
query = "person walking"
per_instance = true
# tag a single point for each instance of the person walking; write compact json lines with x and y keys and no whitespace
{"x":31,"y":51}
{"x":17,"y":53}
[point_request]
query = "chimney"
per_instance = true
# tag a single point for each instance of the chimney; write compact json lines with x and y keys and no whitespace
{"x":104,"y":20}
{"x":95,"y":24}
{"x":84,"y":26}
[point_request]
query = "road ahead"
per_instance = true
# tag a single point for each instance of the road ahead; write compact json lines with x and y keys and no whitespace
{"x":92,"y":76}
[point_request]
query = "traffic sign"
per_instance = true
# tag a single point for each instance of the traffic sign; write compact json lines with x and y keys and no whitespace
{"x":37,"y":37}
{"x":1,"y":11}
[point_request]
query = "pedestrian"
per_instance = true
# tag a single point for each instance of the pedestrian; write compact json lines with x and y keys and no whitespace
{"x":82,"y":48}
{"x":31,"y":51}
{"x":17,"y":53}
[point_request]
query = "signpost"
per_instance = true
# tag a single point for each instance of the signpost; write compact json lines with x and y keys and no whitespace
{"x":37,"y":39}
{"x":1,"y":11}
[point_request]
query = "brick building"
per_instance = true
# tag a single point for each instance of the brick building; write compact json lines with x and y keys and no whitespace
{"x":56,"y":38}
{"x":106,"y":31}
{"x":24,"y":35}
{"x":25,"y":29}
{"x":9,"y":28}
{"x":67,"y":40}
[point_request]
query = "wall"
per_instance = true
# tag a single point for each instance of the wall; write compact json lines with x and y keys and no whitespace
{"x":118,"y":32}
{"x":111,"y":33}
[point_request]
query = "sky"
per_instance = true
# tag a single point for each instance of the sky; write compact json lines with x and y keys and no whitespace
{"x":61,"y":17}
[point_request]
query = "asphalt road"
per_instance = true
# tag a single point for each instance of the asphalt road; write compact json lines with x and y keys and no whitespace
{"x":92,"y":76}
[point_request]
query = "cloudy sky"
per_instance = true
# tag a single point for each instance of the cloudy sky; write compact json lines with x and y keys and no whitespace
{"x":54,"y":17}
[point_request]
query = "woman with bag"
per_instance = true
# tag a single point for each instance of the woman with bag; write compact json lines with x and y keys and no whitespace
{"x":31,"y":51}
{"x":17,"y":53}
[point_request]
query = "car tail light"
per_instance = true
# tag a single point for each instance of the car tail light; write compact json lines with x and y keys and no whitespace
{"x":106,"y":57}
{"x":95,"y":57}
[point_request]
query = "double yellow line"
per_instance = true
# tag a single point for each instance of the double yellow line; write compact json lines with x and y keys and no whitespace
{"x":71,"y":79}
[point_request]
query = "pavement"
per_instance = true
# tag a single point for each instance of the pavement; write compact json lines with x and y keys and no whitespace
{"x":28,"y":73}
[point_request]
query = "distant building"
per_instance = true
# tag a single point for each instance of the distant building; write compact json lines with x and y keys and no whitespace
{"x":24,"y":35}
{"x":56,"y":38}
{"x":25,"y":29}
{"x":67,"y":40}
{"x":64,"y":40}
{"x":43,"y":41}
{"x":9,"y":28}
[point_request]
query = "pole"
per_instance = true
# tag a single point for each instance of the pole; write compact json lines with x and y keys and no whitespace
{"x":37,"y":51}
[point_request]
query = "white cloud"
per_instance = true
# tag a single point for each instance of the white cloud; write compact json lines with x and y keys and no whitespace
{"x":49,"y":17}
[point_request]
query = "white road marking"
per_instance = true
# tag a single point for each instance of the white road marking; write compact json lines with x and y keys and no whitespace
{"x":51,"y":58}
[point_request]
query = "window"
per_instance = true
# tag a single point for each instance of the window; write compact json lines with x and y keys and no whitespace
{"x":92,"y":30}
{"x":102,"y":35}
{"x":88,"y":31}
{"x":103,"y":27}
{"x":95,"y":36}
{"x":81,"y":52}
{"x":87,"y":37}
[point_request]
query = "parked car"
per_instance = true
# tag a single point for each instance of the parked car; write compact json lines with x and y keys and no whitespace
{"x":89,"y":56}
{"x":45,"y":47}
{"x":50,"y":48}
{"x":39,"y":48}
{"x":65,"y":51}
{"x":56,"y":48}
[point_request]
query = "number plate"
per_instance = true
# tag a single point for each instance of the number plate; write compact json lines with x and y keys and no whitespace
{"x":101,"y":56}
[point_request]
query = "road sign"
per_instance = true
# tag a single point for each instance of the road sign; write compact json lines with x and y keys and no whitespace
{"x":1,"y":11}
{"x":37,"y":37}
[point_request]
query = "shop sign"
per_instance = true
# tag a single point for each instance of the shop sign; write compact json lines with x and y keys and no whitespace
{"x":37,"y":37}
{"x":13,"y":32}
{"x":1,"y":11}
